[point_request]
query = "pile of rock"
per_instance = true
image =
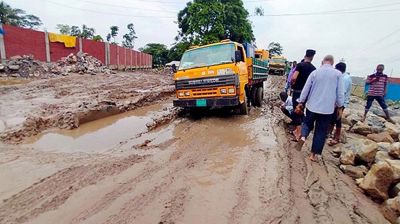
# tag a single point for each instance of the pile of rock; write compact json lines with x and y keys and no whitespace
{"x":25,"y":66}
{"x":373,"y":160}
{"x":81,"y":63}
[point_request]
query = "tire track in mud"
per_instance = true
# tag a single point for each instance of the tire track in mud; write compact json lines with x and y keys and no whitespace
{"x":178,"y":164}
{"x":51,"y":192}
{"x":174,"y":208}
{"x":239,"y":210}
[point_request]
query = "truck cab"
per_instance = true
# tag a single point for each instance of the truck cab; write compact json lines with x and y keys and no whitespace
{"x":277,"y":65}
{"x":215,"y":75}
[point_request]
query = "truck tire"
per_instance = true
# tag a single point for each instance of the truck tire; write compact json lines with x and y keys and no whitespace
{"x":259,"y":96}
{"x":243,"y":108}
{"x":253,"y":95}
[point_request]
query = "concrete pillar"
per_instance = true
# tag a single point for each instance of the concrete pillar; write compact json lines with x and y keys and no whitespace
{"x":131,"y":64}
{"x":107,"y":53}
{"x":117,"y":57}
{"x":47,"y":42}
{"x":80,"y":44}
{"x":136,"y":60}
{"x":2,"y":46}
{"x":125,"y":57}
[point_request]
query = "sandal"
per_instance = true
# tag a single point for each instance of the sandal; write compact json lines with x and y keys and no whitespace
{"x":333,"y":142}
{"x":313,"y":159}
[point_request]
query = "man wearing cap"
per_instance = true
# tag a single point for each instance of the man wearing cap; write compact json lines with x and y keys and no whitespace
{"x":299,"y":78}
{"x":322,"y":92}
{"x":377,"y":91}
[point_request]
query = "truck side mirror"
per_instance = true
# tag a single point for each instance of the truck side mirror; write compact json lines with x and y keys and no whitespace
{"x":174,"y":69}
{"x":238,"y":56}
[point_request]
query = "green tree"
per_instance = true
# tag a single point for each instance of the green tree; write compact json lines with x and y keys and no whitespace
{"x":159,"y":53}
{"x":176,"y":51}
{"x":113,"y":33}
{"x":275,"y":49}
{"x":64,"y":29}
{"x":86,"y":32}
{"x":97,"y":38}
{"x":207,"y":21}
{"x":75,"y":31}
{"x":259,"y":11}
{"x":17,"y":17}
{"x":129,"y":38}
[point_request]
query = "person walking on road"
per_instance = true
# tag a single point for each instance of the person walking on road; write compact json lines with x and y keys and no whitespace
{"x":377,"y":91}
{"x":290,"y":75}
{"x":322,"y":92}
{"x":336,"y":121}
{"x":299,"y":78}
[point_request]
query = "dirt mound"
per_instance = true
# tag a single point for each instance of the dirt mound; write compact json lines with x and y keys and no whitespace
{"x":26,"y":66}
{"x":81,"y":63}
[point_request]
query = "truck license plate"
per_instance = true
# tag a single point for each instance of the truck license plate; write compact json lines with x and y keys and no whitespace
{"x":201,"y":103}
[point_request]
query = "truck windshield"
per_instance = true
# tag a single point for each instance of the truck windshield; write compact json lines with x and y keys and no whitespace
{"x":278,"y":60}
{"x":207,"y":56}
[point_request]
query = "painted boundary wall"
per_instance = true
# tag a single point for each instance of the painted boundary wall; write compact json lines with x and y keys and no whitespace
{"x":21,"y":41}
{"x":393,"y":89}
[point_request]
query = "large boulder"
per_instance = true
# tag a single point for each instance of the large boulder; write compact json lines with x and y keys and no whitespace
{"x":362,"y":129}
{"x":354,"y":172}
{"x":377,"y":181}
{"x":393,"y":130}
{"x":366,"y":150}
{"x":395,"y":190}
{"x":384,"y":146}
{"x":391,"y":209}
{"x":382,"y":156}
{"x":394,"y":150}
{"x":381,"y":137}
{"x":395,"y":165}
{"x":347,"y":157}
{"x":350,"y":120}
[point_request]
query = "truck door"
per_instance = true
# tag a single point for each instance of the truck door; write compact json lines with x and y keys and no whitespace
{"x":243,"y":73}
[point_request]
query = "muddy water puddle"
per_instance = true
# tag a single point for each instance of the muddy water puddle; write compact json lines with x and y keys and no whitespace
{"x":100,"y":135}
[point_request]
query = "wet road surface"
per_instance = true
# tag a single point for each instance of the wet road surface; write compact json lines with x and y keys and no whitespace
{"x":213,"y":169}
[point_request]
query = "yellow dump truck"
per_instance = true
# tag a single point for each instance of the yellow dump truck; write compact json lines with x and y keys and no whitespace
{"x":223,"y":74}
{"x":277,"y":65}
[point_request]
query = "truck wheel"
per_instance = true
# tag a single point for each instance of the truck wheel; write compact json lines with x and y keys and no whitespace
{"x":243,"y":108}
{"x":259,"y":96}
{"x":253,"y":95}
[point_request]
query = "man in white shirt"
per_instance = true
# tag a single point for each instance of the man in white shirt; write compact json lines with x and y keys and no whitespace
{"x":287,"y":105}
{"x":322,"y":92}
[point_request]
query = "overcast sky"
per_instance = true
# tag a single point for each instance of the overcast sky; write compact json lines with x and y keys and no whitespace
{"x":363,"y":32}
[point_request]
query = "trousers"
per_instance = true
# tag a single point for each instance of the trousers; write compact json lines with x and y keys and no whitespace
{"x":321,"y":124}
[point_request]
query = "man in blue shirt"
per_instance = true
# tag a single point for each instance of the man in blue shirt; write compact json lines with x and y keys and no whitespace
{"x":336,"y":120}
{"x":323,"y":92}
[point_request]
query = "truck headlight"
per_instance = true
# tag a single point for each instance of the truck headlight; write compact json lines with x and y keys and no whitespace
{"x":181,"y":94}
{"x":187,"y":93}
{"x":223,"y":91}
{"x":231,"y":90}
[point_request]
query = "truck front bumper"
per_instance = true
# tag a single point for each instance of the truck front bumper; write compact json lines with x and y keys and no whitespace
{"x":210,"y":102}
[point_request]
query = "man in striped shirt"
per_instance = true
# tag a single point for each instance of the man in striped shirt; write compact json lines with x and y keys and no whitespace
{"x":377,"y":91}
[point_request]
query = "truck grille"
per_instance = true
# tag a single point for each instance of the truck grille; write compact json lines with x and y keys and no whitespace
{"x":205,"y":92}
{"x":221,"y":80}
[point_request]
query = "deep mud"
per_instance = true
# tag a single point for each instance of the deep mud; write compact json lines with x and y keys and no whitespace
{"x":28,"y":109}
{"x":216,"y":168}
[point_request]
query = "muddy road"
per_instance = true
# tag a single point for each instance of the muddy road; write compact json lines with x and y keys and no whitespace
{"x":158,"y":165}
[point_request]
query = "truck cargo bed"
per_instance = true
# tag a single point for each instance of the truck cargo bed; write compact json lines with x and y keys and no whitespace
{"x":260,"y":69}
